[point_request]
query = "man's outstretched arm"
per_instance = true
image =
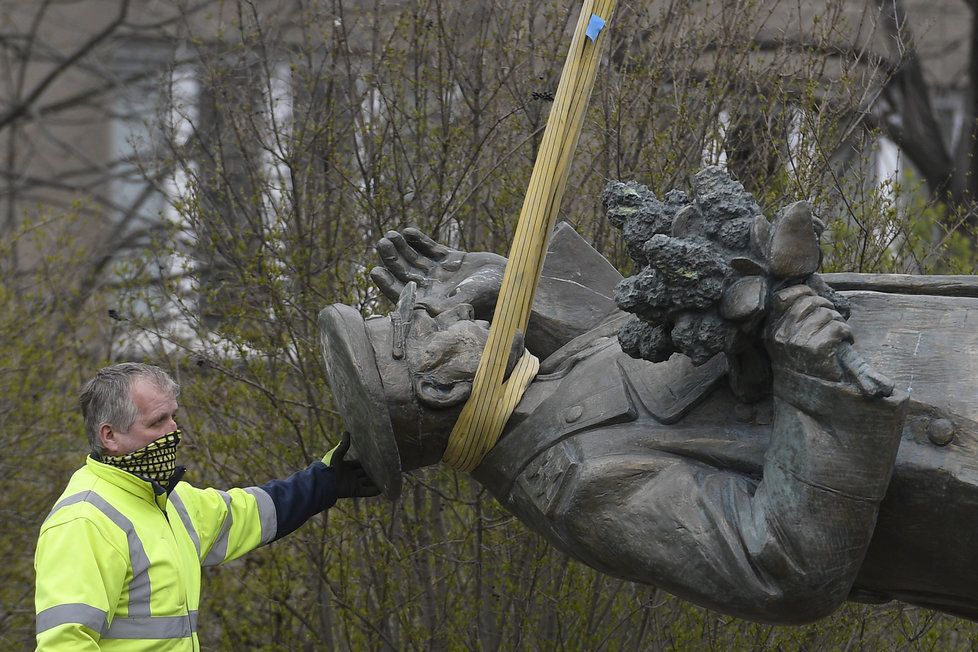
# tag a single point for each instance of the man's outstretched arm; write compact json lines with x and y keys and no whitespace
{"x":228,"y":524}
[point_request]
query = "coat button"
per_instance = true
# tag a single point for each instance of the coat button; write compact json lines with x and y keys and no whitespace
{"x":574,"y":413}
{"x":940,"y":432}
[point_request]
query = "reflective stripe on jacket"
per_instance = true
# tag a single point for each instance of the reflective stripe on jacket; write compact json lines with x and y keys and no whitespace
{"x":118,"y":565}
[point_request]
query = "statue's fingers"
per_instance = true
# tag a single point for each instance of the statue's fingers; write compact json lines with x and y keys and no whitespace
{"x":388,"y":284}
{"x":806,"y":329}
{"x":408,"y":252}
{"x":393,"y":261}
{"x":870,"y":381}
{"x":426,"y":245}
{"x":804,"y":306}
{"x":785,"y":298}
{"x":817,"y":305}
{"x":385,"y":249}
{"x":793,"y":312}
{"x":826,"y":345}
{"x":834,"y":330}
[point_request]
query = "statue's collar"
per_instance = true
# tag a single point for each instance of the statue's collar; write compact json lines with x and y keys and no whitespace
{"x":563,"y":359}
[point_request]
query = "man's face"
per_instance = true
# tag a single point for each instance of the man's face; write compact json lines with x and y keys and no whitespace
{"x":156,"y":416}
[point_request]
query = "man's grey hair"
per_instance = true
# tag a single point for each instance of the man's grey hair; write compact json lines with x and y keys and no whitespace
{"x":107,"y":398}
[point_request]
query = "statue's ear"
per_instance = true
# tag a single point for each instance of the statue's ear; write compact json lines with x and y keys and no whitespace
{"x":440,"y":395}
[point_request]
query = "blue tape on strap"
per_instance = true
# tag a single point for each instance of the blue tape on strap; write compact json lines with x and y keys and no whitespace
{"x":594,"y":27}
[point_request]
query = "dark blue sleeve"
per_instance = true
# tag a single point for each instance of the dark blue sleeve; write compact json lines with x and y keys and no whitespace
{"x":301,"y":496}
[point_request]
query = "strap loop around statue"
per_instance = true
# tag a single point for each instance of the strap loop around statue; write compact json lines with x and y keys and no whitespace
{"x":492,"y":401}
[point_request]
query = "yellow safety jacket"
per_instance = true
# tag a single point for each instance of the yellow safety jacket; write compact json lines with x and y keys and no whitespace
{"x":118,"y":560}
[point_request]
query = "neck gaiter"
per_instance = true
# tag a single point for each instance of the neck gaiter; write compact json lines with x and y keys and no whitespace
{"x":156,"y":460}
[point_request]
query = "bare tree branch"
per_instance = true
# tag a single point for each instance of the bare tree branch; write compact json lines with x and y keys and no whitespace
{"x":24,"y":105}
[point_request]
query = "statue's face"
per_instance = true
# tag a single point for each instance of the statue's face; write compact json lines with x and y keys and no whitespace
{"x":443,"y":355}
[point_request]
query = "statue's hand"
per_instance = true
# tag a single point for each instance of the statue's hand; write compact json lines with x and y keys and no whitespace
{"x":446,"y":277}
{"x":805,"y":333}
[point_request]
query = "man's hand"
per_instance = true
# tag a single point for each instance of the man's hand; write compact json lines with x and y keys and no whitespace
{"x":446,"y":277}
{"x":352,"y":480}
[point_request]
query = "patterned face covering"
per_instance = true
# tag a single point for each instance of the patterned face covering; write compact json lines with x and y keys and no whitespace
{"x":154,"y":461}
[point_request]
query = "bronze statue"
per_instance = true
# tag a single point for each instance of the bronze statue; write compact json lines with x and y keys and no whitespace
{"x":775,"y":510}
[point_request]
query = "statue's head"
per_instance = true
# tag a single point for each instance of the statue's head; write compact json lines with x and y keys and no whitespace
{"x":400,"y":381}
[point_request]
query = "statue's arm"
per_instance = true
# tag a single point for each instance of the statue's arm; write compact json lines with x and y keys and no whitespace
{"x":575,"y":293}
{"x":784,"y":547}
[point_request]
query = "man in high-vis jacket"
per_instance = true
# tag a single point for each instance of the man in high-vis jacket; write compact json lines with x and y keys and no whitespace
{"x":118,"y":558}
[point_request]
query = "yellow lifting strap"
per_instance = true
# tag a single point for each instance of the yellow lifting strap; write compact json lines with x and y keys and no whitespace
{"x":492,"y":401}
